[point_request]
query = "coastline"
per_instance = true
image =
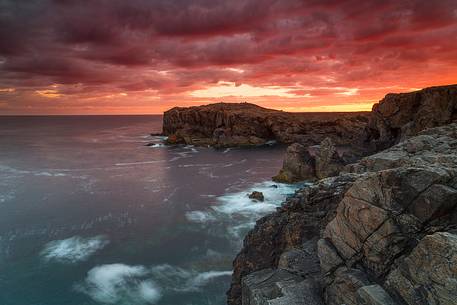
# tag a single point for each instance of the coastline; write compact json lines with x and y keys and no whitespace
{"x":317,"y":246}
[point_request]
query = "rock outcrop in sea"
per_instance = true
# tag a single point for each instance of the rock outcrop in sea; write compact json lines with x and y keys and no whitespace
{"x":244,"y":124}
{"x":382,"y":230}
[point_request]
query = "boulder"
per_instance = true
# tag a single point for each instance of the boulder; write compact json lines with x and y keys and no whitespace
{"x":298,"y":165}
{"x":255,"y":195}
{"x":311,"y":163}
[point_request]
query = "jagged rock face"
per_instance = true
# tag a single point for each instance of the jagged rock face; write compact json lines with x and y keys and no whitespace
{"x":386,"y":212}
{"x":298,"y":165}
{"x":384,"y":237}
{"x":300,"y":219}
{"x":312,"y":162}
{"x":230,"y":124}
{"x":383,"y":213}
{"x":432,"y":146}
{"x":328,"y":161}
{"x":400,"y":115}
{"x":393,"y":119}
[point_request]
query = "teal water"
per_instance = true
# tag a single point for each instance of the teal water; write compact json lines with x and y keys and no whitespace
{"x":90,"y":215}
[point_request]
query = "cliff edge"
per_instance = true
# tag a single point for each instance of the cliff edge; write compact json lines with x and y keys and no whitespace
{"x":244,"y":124}
{"x":393,"y":119}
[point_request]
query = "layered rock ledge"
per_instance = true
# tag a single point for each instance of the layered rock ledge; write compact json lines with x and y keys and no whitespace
{"x":392,"y":120}
{"x":244,"y":124}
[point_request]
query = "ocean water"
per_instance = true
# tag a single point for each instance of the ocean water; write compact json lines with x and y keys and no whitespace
{"x":90,"y":215}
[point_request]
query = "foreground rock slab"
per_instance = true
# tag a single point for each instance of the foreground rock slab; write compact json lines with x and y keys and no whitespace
{"x":381,"y":232}
{"x":429,"y":274}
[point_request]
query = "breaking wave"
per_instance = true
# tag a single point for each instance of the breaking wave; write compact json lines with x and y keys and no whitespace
{"x":238,"y":213}
{"x":73,"y":249}
{"x":120,"y":284}
{"x":182,"y":280}
{"x":124,"y":284}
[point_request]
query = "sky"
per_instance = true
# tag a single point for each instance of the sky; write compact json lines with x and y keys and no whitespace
{"x":146,"y":56}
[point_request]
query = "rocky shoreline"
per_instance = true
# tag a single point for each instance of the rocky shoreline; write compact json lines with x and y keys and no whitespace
{"x":379,"y":225}
{"x":244,"y":124}
{"x":382,"y":232}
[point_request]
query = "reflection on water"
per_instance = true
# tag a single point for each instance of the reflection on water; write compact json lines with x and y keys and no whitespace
{"x":91,"y":215}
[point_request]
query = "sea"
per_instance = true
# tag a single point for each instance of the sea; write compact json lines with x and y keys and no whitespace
{"x":89,"y":214}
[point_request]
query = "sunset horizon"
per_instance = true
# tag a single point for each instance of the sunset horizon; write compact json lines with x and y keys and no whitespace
{"x":144,"y":57}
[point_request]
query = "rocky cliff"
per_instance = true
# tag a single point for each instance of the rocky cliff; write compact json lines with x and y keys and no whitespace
{"x":394,"y":118}
{"x":240,"y":124}
{"x":397,"y":116}
{"x":381,"y":232}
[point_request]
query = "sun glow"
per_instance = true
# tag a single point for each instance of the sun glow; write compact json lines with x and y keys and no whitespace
{"x":48,"y":93}
{"x":225,"y":89}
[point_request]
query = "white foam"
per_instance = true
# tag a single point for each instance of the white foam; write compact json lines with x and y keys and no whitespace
{"x":181,"y":280}
{"x":148,"y":291}
{"x":73,"y":249}
{"x":203,"y":278}
{"x":157,"y":145}
{"x":200,"y":216}
{"x":114,"y":283}
{"x":49,"y":174}
{"x":237,"y":213}
{"x":271,"y":142}
{"x":138,"y":163}
{"x":240,"y":203}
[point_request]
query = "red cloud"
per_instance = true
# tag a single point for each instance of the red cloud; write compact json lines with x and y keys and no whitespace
{"x":169,"y":48}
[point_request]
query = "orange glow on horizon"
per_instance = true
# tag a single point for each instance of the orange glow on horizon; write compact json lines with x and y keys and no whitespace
{"x":298,"y":56}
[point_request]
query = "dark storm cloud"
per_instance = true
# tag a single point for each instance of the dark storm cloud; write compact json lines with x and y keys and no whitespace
{"x":175,"y":44}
